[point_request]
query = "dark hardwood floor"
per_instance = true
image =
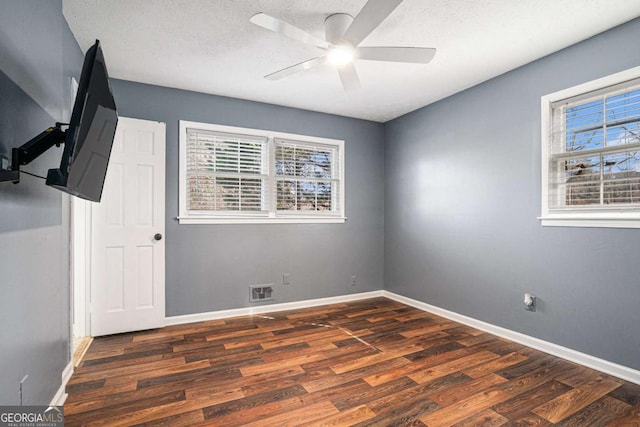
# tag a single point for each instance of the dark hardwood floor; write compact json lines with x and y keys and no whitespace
{"x":372,"y":362}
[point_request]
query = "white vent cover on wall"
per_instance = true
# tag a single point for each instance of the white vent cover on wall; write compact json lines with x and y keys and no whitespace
{"x":259,"y":293}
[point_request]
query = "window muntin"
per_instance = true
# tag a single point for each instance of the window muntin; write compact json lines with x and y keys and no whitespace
{"x":236,"y":175}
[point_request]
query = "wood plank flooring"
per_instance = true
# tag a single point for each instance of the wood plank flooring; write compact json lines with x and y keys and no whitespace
{"x":368,"y":363}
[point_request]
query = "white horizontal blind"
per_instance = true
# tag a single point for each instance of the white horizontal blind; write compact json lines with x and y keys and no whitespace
{"x":594,"y":161}
{"x":225,"y":172}
{"x":307,"y":177}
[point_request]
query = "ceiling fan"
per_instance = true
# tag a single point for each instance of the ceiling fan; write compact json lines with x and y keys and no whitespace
{"x":343,"y":35}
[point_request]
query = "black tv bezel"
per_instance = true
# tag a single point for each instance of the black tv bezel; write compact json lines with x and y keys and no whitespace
{"x":78,"y":105}
{"x":58,"y":178}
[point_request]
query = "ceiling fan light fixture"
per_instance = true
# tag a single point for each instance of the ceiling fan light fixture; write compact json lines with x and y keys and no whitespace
{"x":340,"y":55}
{"x":341,"y":44}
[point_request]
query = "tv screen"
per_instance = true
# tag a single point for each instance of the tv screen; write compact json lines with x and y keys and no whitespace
{"x":89,"y":137}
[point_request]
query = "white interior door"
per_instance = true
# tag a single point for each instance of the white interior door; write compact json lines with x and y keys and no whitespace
{"x":127,"y":233}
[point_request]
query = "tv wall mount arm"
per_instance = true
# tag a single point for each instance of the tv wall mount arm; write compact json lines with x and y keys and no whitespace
{"x":31,"y":150}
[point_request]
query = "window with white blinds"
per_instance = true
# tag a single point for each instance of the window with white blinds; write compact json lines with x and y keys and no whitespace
{"x":307,"y":177}
{"x":225,"y":172}
{"x":591,"y":154}
{"x":237,"y":175}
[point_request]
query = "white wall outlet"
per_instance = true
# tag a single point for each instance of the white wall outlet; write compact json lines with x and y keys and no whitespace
{"x":353,"y":280}
{"x":285,"y":279}
{"x":529,"y":302}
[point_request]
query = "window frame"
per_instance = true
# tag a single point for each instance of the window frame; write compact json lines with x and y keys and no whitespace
{"x":595,"y":216}
{"x":271,"y":215}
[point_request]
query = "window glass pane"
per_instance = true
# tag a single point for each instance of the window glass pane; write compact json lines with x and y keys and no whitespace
{"x":624,"y":106}
{"x":324,"y":197}
{"x":579,"y":140}
{"x":201,"y":188}
{"x":320,"y":164}
{"x":628,"y":133}
{"x":306,"y":196}
{"x":583,"y":125}
{"x":250,"y":158}
{"x":285,"y":160}
{"x":250,"y":194}
{"x":286,"y":195}
{"x":621,"y":178}
{"x":229,"y":194}
{"x":302,"y":161}
{"x":582,"y":177}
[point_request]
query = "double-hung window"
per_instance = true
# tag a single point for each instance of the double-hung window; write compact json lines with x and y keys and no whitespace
{"x":237,"y":175}
{"x":306,"y":176}
{"x":226,"y":173}
{"x":591,"y":154}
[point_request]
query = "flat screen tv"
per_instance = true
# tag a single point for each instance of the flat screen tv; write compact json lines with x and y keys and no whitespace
{"x":89,"y":138}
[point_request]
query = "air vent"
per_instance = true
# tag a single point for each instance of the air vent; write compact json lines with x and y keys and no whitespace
{"x":259,"y":293}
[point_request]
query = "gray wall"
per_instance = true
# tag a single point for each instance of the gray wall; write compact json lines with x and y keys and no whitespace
{"x":457,"y":224}
{"x":210,"y":267}
{"x":462,"y":195}
{"x":38,"y":54}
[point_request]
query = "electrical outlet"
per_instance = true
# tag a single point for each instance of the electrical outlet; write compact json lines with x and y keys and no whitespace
{"x":285,"y":279}
{"x":529,"y":302}
{"x":353,"y":280}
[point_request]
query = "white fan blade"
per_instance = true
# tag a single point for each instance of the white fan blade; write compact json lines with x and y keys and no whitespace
{"x":349,"y":77}
{"x":371,"y":15}
{"x":274,"y":24}
{"x":415,"y":55}
{"x":295,"y":68}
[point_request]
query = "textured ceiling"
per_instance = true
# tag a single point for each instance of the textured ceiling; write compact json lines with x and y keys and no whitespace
{"x":210,"y":46}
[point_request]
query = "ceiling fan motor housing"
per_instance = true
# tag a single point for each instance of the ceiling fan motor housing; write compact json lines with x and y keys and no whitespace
{"x":335,"y":26}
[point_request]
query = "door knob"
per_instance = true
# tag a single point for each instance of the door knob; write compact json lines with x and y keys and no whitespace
{"x":157,"y":236}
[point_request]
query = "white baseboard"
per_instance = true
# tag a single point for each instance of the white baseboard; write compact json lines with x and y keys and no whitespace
{"x":270,"y":308}
{"x":620,"y":371}
{"x":61,"y":394}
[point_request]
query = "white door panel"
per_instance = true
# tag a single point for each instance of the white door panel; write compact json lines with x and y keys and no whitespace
{"x":127,"y":262}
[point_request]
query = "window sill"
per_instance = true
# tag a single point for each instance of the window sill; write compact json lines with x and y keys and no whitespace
{"x":260,"y":220}
{"x":606,"y":220}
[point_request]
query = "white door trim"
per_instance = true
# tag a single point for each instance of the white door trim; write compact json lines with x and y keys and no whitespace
{"x":80,"y":255}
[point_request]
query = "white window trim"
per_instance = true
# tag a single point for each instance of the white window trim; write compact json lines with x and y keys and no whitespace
{"x":611,"y":218}
{"x":272,"y":217}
